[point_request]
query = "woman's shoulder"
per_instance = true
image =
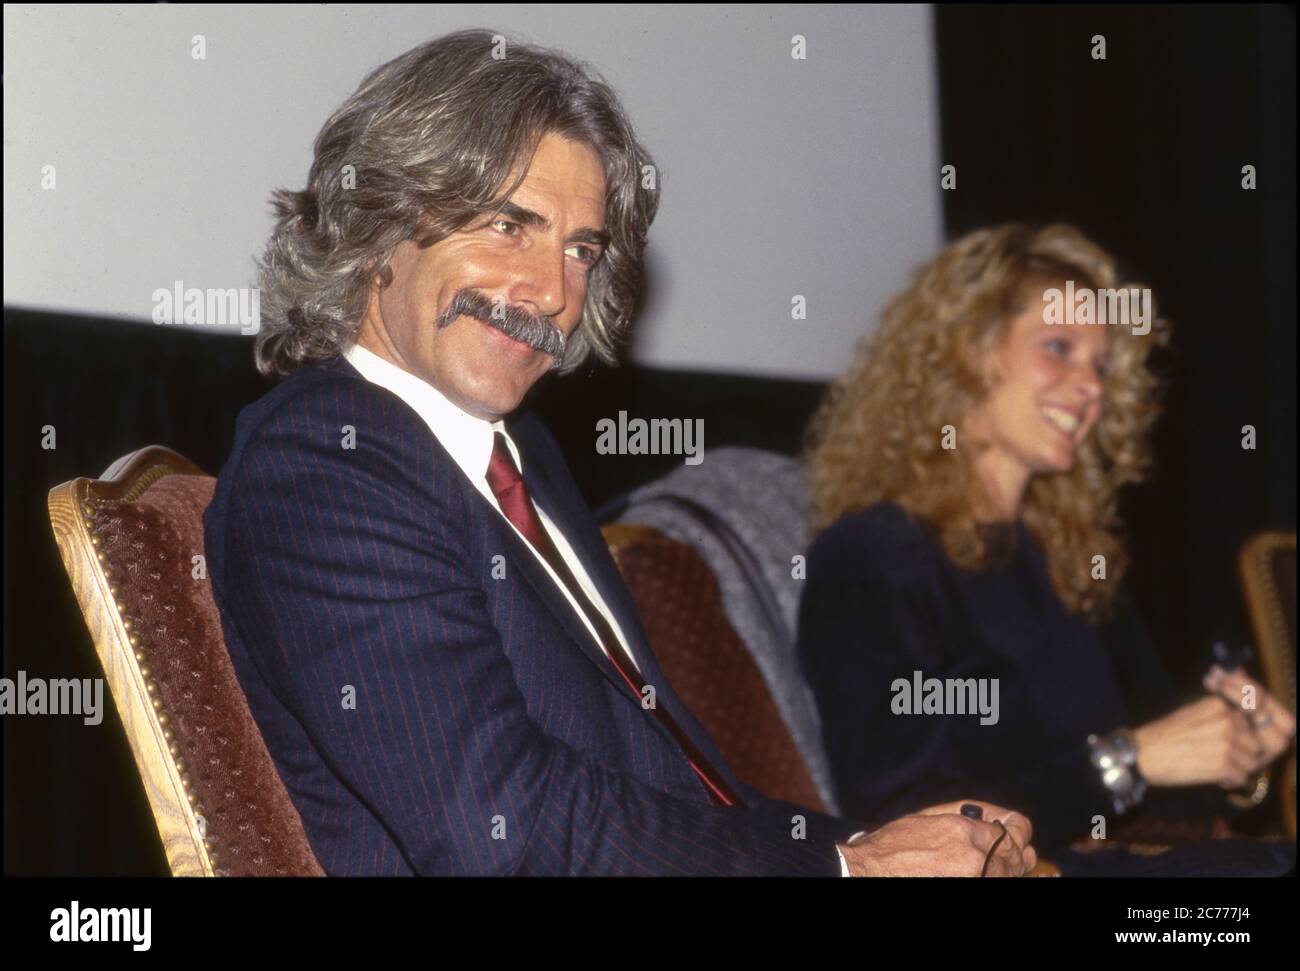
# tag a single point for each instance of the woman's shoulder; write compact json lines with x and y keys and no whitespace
{"x":885,"y":523}
{"x":883,"y":535}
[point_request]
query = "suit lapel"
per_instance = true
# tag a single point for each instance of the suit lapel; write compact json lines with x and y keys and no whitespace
{"x":589,"y":545}
{"x":590,"y":548}
{"x":525,"y":560}
{"x":595,"y":558}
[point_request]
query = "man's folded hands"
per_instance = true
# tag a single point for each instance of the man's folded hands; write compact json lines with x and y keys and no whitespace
{"x":941,"y":842}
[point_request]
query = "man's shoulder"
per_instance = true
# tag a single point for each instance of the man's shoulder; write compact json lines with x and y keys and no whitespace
{"x":324,"y":398}
{"x":323,"y":419}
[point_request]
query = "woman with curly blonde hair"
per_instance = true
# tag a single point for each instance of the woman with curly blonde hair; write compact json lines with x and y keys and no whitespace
{"x":965,"y":475}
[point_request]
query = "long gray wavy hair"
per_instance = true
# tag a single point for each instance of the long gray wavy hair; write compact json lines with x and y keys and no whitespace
{"x":431,"y":138}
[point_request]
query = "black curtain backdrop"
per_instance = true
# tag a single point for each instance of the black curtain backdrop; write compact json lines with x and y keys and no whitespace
{"x":1142,"y":151}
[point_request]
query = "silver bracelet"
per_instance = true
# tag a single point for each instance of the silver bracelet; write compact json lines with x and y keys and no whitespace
{"x":1115,"y":757}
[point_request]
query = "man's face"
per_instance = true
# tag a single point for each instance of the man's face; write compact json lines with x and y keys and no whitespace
{"x":525,"y":269}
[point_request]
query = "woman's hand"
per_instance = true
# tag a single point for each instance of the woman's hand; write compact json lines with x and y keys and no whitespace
{"x":1273,"y":725}
{"x":1212,"y":741}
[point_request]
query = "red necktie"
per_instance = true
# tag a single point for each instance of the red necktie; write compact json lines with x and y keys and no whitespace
{"x":508,"y":486}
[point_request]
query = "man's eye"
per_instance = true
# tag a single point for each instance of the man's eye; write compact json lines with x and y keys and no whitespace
{"x":505,"y":222}
{"x":585,"y":253}
{"x":1058,"y":347}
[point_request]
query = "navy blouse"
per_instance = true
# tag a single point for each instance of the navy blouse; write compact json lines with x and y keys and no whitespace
{"x":881,"y":601}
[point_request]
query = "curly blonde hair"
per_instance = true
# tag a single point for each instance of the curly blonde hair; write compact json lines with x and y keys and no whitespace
{"x":876,"y":436}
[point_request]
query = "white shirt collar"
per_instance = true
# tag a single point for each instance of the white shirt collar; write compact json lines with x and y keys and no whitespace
{"x":469,"y":442}
{"x":467,"y":438}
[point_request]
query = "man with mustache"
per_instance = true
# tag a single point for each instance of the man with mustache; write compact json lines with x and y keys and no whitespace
{"x":447,"y":669}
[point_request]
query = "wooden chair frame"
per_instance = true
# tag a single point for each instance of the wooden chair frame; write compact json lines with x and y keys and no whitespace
{"x":1275,"y":648}
{"x":72,"y":508}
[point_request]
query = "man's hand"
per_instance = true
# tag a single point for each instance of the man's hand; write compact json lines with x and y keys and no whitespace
{"x":940,"y":842}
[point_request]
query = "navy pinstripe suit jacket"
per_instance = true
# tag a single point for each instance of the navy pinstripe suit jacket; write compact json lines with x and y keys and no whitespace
{"x":426,"y":717}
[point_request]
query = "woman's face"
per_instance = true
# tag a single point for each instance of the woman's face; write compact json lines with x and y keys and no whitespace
{"x":1045,"y":400}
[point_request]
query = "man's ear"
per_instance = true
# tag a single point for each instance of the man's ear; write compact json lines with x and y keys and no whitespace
{"x":380,"y":275}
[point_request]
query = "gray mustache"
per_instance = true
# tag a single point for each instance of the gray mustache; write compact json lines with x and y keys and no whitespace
{"x":537,"y":332}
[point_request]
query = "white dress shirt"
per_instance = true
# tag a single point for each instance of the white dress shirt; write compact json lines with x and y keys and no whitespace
{"x":468,"y":440}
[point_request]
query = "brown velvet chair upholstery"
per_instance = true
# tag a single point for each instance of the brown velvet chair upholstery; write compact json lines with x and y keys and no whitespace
{"x":707,"y":662}
{"x":1267,"y":566}
{"x":129,"y":542}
